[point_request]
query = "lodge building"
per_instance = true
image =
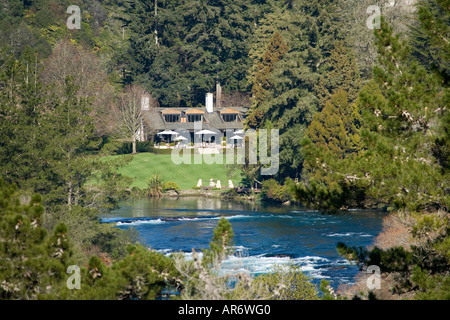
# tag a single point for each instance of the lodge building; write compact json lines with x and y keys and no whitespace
{"x":184,"y":120}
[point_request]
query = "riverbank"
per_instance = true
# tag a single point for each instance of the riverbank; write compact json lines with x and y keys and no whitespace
{"x":226,"y":194}
{"x":401,"y":229}
{"x":395,"y":232}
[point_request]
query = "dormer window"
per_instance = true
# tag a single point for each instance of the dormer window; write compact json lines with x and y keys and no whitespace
{"x":230,"y":115}
{"x":171,"y":115}
{"x":194,"y":115}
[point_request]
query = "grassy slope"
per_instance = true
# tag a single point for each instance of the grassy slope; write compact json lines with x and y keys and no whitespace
{"x":144,"y":165}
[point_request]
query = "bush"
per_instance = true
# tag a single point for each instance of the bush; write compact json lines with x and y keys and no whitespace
{"x":395,"y":259}
{"x":283,"y":283}
{"x":141,"y":146}
{"x":170,"y":185}
{"x":155,"y":186}
{"x":272,"y":190}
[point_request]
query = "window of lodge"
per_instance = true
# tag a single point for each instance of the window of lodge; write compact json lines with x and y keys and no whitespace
{"x":194,"y":117}
{"x":230,"y":117}
{"x":172,"y":117}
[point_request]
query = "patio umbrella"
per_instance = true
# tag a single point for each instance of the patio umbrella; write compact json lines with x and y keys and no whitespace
{"x":168,"y":132}
{"x":236,"y":137}
{"x":206,"y":132}
{"x":180,"y":138}
{"x":239,"y":131}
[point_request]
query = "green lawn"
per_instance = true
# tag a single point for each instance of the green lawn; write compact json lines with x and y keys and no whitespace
{"x":144,"y":165}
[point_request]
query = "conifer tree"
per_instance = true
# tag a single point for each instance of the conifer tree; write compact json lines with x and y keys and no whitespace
{"x":332,"y":143}
{"x":221,"y":244}
{"x":340,"y":73}
{"x":290,"y":100}
{"x":274,"y":52}
{"x":430,"y":39}
{"x":32,"y":263}
{"x":336,"y":127}
{"x":404,"y":108}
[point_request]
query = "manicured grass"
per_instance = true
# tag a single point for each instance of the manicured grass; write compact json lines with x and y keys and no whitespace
{"x":144,"y":165}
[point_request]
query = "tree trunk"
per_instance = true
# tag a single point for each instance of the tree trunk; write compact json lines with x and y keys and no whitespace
{"x":134,"y":145}
{"x":69,"y":197}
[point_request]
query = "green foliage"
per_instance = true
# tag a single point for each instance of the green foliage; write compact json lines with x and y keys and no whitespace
{"x":330,"y":147}
{"x":272,"y":190}
{"x":340,"y":74}
{"x":276,"y":48}
{"x":431,"y":287}
{"x":429,"y":39}
{"x":357,"y":254}
{"x":87,"y":234}
{"x":110,"y":186}
{"x":155,"y":186}
{"x":308,"y":28}
{"x":142,"y":275}
{"x":170,"y":185}
{"x":403,"y":112}
{"x":285,"y":284}
{"x":393,"y":154}
{"x":195,"y":44}
{"x":32,"y":261}
{"x":325,"y":289}
{"x":221,"y":244}
{"x":141,"y":146}
{"x":395,"y":259}
{"x":336,"y":127}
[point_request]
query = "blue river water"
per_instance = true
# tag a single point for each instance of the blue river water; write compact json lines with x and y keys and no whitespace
{"x":265,"y":235}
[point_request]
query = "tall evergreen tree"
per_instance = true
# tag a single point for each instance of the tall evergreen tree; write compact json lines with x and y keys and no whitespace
{"x":32,"y":263}
{"x":336,"y":127}
{"x":274,"y":52}
{"x":430,"y":39}
{"x":290,"y":100}
{"x":332,"y":143}
{"x":180,"y":52}
{"x":339,"y":73}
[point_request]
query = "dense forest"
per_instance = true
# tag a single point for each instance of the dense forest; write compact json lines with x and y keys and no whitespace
{"x":362,"y":114}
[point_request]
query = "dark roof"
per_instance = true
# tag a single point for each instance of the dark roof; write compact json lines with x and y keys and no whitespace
{"x":155,"y":119}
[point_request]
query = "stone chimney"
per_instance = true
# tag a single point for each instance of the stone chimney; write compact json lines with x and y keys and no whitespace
{"x":218,"y":95}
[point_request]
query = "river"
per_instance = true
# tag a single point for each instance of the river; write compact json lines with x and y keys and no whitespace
{"x":265,"y":235}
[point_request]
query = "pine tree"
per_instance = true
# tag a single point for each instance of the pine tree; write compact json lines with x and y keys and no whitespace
{"x":340,"y":73}
{"x":430,"y":39}
{"x":221,"y":244}
{"x":274,"y":52}
{"x":32,"y":263}
{"x":404,"y":109}
{"x":332,"y":144}
{"x":336,"y":127}
{"x":289,"y":100}
{"x":196,"y":44}
{"x":70,"y":128}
